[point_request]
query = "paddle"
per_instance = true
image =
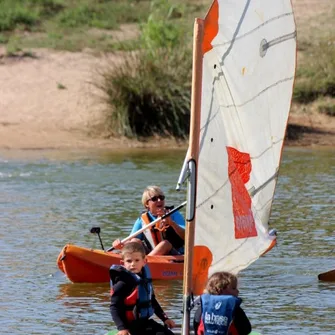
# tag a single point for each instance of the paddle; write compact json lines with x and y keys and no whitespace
{"x":150,"y":224}
{"x":327,"y":276}
{"x":96,"y":230}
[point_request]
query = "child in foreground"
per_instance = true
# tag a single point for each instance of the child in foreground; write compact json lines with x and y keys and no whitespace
{"x":133,"y":301}
{"x":220,"y":311}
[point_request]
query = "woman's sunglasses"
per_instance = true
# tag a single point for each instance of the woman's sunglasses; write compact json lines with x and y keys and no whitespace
{"x":156,"y":197}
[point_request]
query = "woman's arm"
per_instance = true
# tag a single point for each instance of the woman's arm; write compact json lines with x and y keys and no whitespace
{"x":137,"y":226}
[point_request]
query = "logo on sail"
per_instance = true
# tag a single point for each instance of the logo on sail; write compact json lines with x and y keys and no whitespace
{"x":239,"y":169}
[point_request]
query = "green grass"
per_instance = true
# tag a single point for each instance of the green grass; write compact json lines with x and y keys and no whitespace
{"x":316,"y":75}
{"x":149,"y":94}
{"x":67,"y":25}
{"x":327,"y":107}
{"x":315,"y":78}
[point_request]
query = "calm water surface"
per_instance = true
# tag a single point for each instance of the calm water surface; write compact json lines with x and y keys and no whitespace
{"x":48,"y":199}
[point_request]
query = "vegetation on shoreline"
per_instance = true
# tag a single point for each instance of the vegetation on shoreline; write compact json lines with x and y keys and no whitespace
{"x":150,"y":92}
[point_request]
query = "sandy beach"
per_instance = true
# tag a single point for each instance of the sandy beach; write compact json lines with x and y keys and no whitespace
{"x":49,"y":101}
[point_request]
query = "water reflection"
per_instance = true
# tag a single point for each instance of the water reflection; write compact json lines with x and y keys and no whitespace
{"x":99,"y":291}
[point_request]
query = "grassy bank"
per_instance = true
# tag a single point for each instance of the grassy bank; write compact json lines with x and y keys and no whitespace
{"x":150,"y":93}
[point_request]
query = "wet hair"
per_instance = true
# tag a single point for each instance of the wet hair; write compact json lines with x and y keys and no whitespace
{"x":220,"y":281}
{"x":132,"y":247}
{"x":149,"y":192}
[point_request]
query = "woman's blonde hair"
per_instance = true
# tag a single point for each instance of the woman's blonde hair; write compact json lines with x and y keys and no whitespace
{"x":149,"y":192}
{"x":220,"y":281}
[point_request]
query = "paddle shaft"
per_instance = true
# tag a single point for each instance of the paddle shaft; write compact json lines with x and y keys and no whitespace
{"x":150,"y":224}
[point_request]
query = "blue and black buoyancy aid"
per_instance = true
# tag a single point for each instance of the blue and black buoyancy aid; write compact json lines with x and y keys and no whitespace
{"x":218,"y":312}
{"x":138,"y":303}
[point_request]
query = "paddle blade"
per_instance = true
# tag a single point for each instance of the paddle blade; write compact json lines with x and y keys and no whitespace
{"x":202,"y":260}
{"x":327,"y":276}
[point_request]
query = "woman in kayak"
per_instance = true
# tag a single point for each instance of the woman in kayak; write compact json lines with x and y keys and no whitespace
{"x":220,"y":311}
{"x":166,"y":237}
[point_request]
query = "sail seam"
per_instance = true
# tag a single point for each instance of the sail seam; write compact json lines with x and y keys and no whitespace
{"x":261,"y":92}
{"x":257,"y":28}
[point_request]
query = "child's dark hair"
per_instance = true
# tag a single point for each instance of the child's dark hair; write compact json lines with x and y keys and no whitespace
{"x":132,"y":247}
{"x":219,"y":281}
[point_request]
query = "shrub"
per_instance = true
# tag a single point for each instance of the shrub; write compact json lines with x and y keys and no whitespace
{"x":316,"y":75}
{"x":150,"y":94}
{"x":13,"y":14}
{"x":327,"y":107}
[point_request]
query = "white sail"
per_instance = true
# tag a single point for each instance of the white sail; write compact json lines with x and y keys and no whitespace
{"x":247,"y":84}
{"x":244,"y":65}
{"x":248,"y":62}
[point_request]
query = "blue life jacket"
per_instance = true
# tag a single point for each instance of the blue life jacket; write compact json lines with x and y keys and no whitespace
{"x":138,"y":303}
{"x":217,"y":312}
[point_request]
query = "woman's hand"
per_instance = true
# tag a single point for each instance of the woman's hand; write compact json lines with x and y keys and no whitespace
{"x":170,"y":323}
{"x":117,"y":244}
{"x":164,"y":224}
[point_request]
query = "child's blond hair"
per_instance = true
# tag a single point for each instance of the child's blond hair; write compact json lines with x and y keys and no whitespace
{"x":220,"y":281}
{"x":132,"y":247}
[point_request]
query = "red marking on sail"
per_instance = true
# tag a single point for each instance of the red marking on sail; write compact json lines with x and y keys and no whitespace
{"x":239,"y":168}
{"x":202,"y":260}
{"x":211,"y":26}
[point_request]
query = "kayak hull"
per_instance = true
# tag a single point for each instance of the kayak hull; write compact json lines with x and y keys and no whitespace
{"x":84,"y":265}
{"x":327,"y":276}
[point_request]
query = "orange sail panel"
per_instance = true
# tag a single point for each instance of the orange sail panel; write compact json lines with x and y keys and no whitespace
{"x":211,"y":26}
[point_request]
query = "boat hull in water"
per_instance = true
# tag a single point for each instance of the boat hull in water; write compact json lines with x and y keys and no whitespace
{"x":84,"y":265}
{"x":327,"y":276}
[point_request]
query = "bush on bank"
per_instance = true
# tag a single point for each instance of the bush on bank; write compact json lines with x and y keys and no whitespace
{"x":149,"y":94}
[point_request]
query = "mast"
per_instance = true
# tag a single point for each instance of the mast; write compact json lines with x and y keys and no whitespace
{"x":192,"y":159}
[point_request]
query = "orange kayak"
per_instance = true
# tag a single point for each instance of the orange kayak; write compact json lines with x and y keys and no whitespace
{"x":84,"y":265}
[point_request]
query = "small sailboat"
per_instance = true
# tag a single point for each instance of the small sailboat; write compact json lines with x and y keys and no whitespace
{"x":244,"y":63}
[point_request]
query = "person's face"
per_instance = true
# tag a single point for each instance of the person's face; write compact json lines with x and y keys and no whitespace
{"x":232,"y":290}
{"x":156,"y":204}
{"x":134,"y":262}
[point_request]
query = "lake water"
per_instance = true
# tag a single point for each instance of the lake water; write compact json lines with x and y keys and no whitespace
{"x":50,"y":198}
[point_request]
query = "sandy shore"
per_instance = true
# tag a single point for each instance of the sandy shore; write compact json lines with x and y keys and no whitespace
{"x":48,"y":101}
